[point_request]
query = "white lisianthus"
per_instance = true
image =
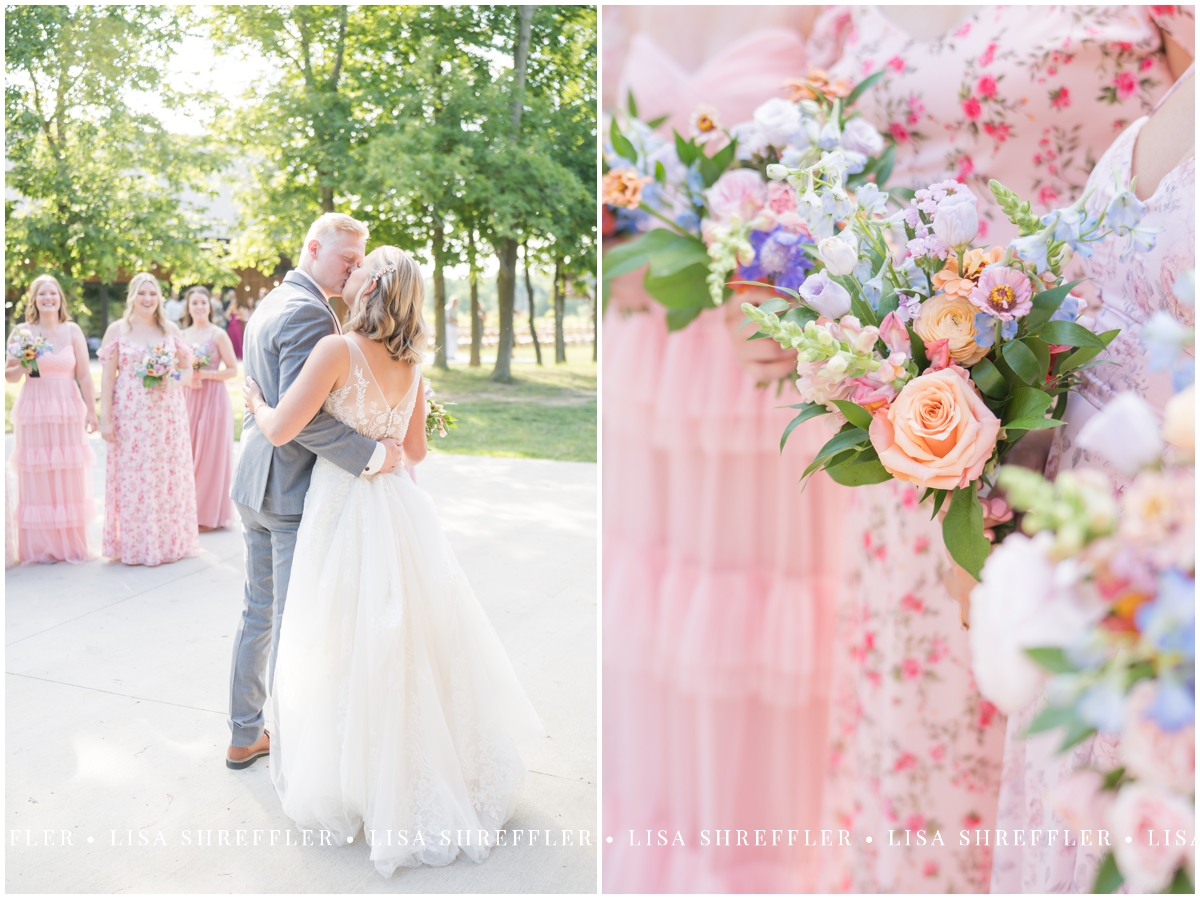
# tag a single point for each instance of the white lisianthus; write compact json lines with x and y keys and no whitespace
{"x":778,"y":121}
{"x":777,"y":172}
{"x":956,"y":221}
{"x":839,"y":253}
{"x":825,"y":296}
{"x":751,"y":141}
{"x":1023,"y":601}
{"x":1125,"y":433}
{"x":861,"y":137}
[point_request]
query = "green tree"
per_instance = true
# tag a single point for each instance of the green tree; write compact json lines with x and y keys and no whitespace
{"x":99,"y":182}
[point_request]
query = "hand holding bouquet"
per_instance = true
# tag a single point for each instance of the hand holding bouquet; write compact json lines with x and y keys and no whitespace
{"x":157,"y":366}
{"x":200,"y":357}
{"x":933,"y":356}
{"x":437,"y":419}
{"x":1097,"y":610}
{"x":722,"y":214}
{"x":27,"y":348}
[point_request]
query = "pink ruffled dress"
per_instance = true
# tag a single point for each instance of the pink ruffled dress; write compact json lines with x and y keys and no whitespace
{"x":719,"y":572}
{"x":210,"y":421}
{"x":1030,"y":96}
{"x":1131,"y":291}
{"x":149,"y":490}
{"x":53,"y":461}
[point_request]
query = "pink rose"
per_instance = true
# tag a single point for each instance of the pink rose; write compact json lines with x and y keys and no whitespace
{"x":1150,"y":817}
{"x":937,"y":433}
{"x":987,"y":87}
{"x":1153,"y":755}
{"x":1126,"y":85}
{"x":781,"y":197}
{"x":740,"y":192}
{"x":971,"y":108}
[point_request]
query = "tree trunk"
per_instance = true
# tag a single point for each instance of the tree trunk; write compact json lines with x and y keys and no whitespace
{"x":476,"y":321}
{"x":595,"y":330}
{"x":103,"y":308}
{"x":506,"y":279}
{"x":537,"y":347}
{"x":520,"y":62}
{"x":439,"y":297}
{"x":560,"y":307}
{"x":327,"y":199}
{"x":506,"y":289}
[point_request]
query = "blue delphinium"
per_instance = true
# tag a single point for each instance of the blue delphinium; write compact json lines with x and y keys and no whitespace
{"x":779,"y":257}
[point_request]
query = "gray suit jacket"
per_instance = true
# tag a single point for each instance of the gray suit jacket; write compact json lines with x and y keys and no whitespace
{"x":281,"y":333}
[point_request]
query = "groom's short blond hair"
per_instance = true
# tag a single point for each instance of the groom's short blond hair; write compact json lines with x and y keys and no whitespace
{"x":331,"y":223}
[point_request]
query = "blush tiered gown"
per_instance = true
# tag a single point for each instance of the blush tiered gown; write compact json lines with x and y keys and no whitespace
{"x":149,"y":488}
{"x":395,"y":708}
{"x":53,"y":461}
{"x":1131,"y":292}
{"x":719,"y":572}
{"x":210,"y":422}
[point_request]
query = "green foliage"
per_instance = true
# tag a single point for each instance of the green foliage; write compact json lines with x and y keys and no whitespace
{"x":98,"y":179}
{"x":962,"y":530}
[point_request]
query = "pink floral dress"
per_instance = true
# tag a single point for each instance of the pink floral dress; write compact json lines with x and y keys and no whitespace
{"x":150,"y":489}
{"x":1031,"y":96}
{"x":1131,"y":291}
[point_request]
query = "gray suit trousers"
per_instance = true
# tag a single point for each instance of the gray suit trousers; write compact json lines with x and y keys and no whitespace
{"x":270,"y":540}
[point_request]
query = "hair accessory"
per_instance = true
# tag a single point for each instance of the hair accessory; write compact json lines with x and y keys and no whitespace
{"x":386,"y":270}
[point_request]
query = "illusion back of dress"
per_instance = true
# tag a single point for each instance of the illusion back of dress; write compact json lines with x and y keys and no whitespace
{"x":360,"y":403}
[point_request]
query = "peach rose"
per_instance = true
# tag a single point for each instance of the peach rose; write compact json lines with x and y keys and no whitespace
{"x":1159,"y":825}
{"x":623,"y":187}
{"x":952,"y":317}
{"x":937,"y":433}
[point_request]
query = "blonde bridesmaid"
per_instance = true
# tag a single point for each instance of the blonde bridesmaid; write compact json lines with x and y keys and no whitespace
{"x":149,"y":491}
{"x":210,"y":413}
{"x":52,"y":417}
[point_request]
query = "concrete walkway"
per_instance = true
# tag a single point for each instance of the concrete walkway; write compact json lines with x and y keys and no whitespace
{"x":117,"y":690}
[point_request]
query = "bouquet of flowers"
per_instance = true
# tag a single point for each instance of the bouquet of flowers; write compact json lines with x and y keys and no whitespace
{"x":1098,"y":608}
{"x":27,"y":348}
{"x":722,"y":215}
{"x":437,"y":419}
{"x":935,"y":357}
{"x":157,"y":366}
{"x":200,"y":357}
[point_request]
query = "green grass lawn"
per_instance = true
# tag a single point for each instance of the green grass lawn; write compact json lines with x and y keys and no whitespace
{"x":548,"y":412}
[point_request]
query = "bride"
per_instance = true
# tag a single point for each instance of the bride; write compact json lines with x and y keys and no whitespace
{"x":395,"y":706}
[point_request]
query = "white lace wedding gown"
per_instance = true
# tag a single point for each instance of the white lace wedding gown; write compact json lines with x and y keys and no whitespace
{"x":395,"y":706}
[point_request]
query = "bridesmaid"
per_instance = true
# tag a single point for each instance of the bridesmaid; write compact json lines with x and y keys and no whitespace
{"x":51,"y":420}
{"x":210,"y":413}
{"x":1026,"y":95}
{"x":149,"y":491}
{"x":719,"y":573}
{"x":236,"y":325}
{"x":1160,"y":151}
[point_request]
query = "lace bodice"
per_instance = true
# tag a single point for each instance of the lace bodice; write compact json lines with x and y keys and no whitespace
{"x":360,"y":403}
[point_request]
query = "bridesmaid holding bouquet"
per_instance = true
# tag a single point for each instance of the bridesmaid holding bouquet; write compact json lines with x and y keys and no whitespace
{"x":150,"y":494}
{"x":210,"y":413}
{"x":51,"y":420}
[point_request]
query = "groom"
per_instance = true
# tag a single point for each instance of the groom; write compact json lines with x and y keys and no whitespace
{"x":270,"y":482}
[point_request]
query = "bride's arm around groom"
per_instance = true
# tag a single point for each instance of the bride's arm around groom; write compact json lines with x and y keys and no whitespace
{"x":270,"y":482}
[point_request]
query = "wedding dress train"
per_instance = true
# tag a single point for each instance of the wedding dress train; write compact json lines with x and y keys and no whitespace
{"x":395,"y":706}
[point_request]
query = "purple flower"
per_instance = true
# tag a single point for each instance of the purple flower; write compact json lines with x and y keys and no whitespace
{"x":779,"y":257}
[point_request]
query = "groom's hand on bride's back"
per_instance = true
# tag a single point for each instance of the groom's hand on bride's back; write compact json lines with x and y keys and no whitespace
{"x":394,"y":453}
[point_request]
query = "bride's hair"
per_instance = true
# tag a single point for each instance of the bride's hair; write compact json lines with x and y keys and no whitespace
{"x":392,"y":312}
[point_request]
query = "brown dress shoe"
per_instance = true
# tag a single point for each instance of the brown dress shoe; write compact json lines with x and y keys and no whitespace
{"x":238,"y":757}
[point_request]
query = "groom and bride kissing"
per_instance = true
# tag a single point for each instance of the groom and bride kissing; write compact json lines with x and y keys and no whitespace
{"x":393,"y":706}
